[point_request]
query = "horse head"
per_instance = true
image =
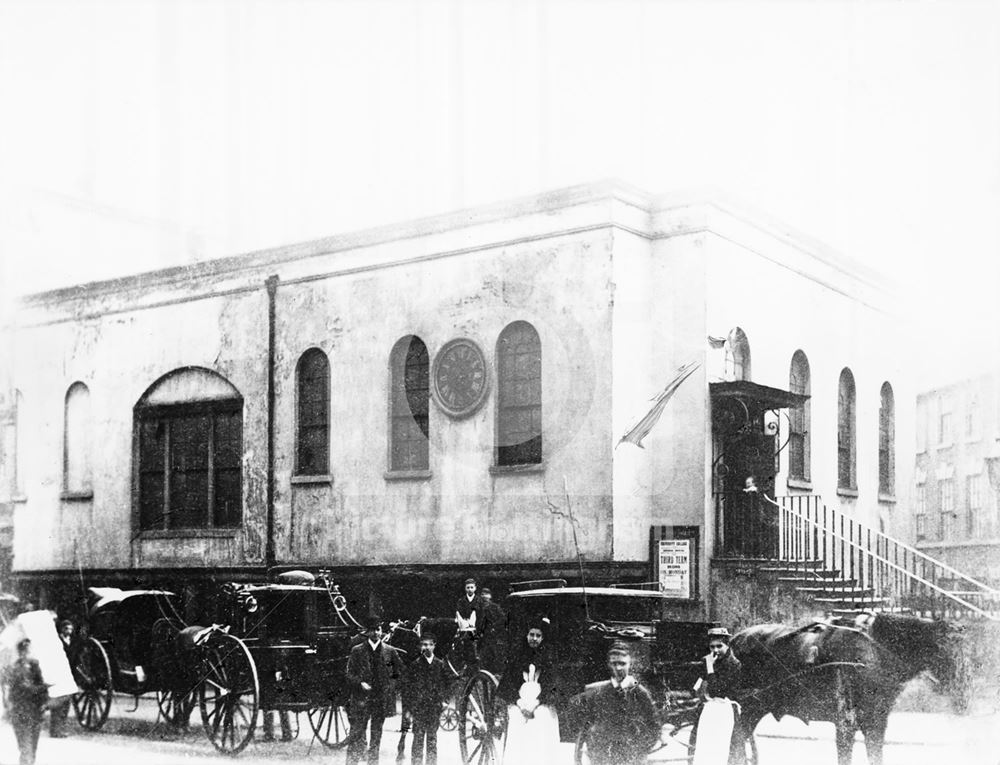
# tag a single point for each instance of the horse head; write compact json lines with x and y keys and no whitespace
{"x":924,"y":645}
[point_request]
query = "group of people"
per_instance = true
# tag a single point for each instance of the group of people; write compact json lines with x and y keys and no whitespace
{"x":619,"y":713}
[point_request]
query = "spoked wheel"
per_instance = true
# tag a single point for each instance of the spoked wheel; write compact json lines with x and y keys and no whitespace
{"x":330,"y":724}
{"x":176,"y":706}
{"x":92,"y":673}
{"x":230,"y":693}
{"x":481,"y":724}
{"x":449,"y":718}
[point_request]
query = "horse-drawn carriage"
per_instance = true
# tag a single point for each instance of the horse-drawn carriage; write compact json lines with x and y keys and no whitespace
{"x":282,"y":646}
{"x":582,"y":624}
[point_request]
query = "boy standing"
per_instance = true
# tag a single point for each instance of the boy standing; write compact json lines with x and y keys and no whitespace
{"x":423,"y":695}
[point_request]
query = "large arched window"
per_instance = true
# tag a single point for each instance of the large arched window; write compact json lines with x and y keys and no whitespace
{"x":519,"y":396}
{"x":77,"y":429}
{"x":189,"y":452}
{"x":737,"y":355}
{"x":799,"y":419}
{"x":409,"y":408}
{"x":847,"y":473}
{"x":886,"y":441}
{"x":312,"y":387}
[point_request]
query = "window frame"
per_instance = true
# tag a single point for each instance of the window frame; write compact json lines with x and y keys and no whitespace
{"x":799,"y":418}
{"x":530,"y":453}
{"x":399,"y":359}
{"x":76,"y":446}
{"x":319,"y":466}
{"x":173,"y":412}
{"x":737,"y":356}
{"x":887,"y":441}
{"x":847,"y":429}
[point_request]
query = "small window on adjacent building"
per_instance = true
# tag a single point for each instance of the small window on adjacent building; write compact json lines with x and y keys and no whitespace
{"x":77,"y":430}
{"x":945,"y":424}
{"x":972,"y":418}
{"x":946,"y":492}
{"x":189,"y":448}
{"x":847,"y":474}
{"x":737,"y":355}
{"x":887,"y":441}
{"x":921,"y":526}
{"x":974,"y":505}
{"x":410,"y":410}
{"x":799,"y":420}
{"x":312,"y":452}
{"x":519,"y":396}
{"x":921,"y":425}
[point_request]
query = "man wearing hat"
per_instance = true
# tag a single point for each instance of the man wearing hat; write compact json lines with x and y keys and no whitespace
{"x":721,"y":681}
{"x":618,"y":712}
{"x":371,"y":668}
{"x":26,"y":697}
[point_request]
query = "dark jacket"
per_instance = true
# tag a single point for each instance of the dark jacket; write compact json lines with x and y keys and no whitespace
{"x":26,"y":691}
{"x":726,"y":681}
{"x":425,"y":686}
{"x":513,"y":675}
{"x":378,"y":669}
{"x":621,"y":724}
{"x":465,"y":607}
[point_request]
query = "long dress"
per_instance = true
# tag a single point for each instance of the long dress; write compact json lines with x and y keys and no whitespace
{"x":532,"y":723}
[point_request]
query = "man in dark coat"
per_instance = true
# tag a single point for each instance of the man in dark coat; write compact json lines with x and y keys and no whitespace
{"x":371,"y":668}
{"x":468,"y":614}
{"x":424,"y":690}
{"x":492,"y":630}
{"x":26,"y":697}
{"x":619,"y":714}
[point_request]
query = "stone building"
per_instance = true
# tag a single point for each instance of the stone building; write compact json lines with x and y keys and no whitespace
{"x":957,"y":476}
{"x":414,"y":403}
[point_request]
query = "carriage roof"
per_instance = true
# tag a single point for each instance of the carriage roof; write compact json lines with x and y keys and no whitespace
{"x":567,"y":592}
{"x":112,"y":597}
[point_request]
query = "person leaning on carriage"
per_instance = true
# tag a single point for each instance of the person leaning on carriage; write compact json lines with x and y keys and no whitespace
{"x":722,"y":680}
{"x":371,"y":668}
{"x":618,"y":714}
{"x":467,"y":615}
{"x":27,"y":694}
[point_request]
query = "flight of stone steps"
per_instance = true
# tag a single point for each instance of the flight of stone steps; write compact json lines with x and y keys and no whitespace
{"x":828,"y":588}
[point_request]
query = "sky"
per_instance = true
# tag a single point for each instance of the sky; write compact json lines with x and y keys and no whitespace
{"x":139,"y":135}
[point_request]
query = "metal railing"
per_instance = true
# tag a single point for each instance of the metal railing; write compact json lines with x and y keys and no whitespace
{"x":870,"y":566}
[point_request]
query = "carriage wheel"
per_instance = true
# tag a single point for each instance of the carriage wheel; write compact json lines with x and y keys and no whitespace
{"x":481,"y":728}
{"x":92,"y":673}
{"x":330,"y":724}
{"x":229,"y":693}
{"x":449,"y":718}
{"x":176,"y":706}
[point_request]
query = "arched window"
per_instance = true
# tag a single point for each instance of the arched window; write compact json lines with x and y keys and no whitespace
{"x":847,"y":473}
{"x":737,"y":355}
{"x":886,"y":441}
{"x":410,"y":411}
{"x":519,"y":396}
{"x":312,"y":385}
{"x":189,"y":451}
{"x":76,"y":440}
{"x":799,"y":419}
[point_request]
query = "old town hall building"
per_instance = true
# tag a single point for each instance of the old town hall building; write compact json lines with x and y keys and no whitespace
{"x":415,"y":403}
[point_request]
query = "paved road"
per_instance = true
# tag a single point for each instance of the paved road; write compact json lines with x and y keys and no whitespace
{"x":135,"y":738}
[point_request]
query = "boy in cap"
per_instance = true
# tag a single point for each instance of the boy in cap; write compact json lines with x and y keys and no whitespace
{"x":467,"y":614}
{"x":26,"y":697}
{"x":424,"y":690}
{"x":619,"y":712}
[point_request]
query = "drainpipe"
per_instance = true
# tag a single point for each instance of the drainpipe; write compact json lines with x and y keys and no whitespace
{"x":272,"y":289}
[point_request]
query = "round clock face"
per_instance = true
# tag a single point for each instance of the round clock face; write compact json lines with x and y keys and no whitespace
{"x":460,"y":378}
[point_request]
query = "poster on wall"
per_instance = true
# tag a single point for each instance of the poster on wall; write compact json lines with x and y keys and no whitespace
{"x":674,"y":567}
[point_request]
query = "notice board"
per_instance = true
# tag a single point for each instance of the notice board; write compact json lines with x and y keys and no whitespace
{"x":674,"y":555}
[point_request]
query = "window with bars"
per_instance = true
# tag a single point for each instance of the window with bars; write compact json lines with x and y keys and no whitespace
{"x":190,"y":465}
{"x":519,"y":396}
{"x":312,"y":452}
{"x":799,"y":419}
{"x":846,"y":432}
{"x":887,"y":441}
{"x":410,"y":405}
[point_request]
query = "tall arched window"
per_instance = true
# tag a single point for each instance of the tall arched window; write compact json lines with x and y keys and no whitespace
{"x":519,"y":396}
{"x":886,"y":441}
{"x":189,"y":451}
{"x":410,"y":411}
{"x":799,"y":419}
{"x":312,"y":386}
{"x":737,"y":355}
{"x":77,"y":429}
{"x":847,"y":473}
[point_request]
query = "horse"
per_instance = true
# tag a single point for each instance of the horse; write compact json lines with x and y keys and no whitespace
{"x":849,"y":674}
